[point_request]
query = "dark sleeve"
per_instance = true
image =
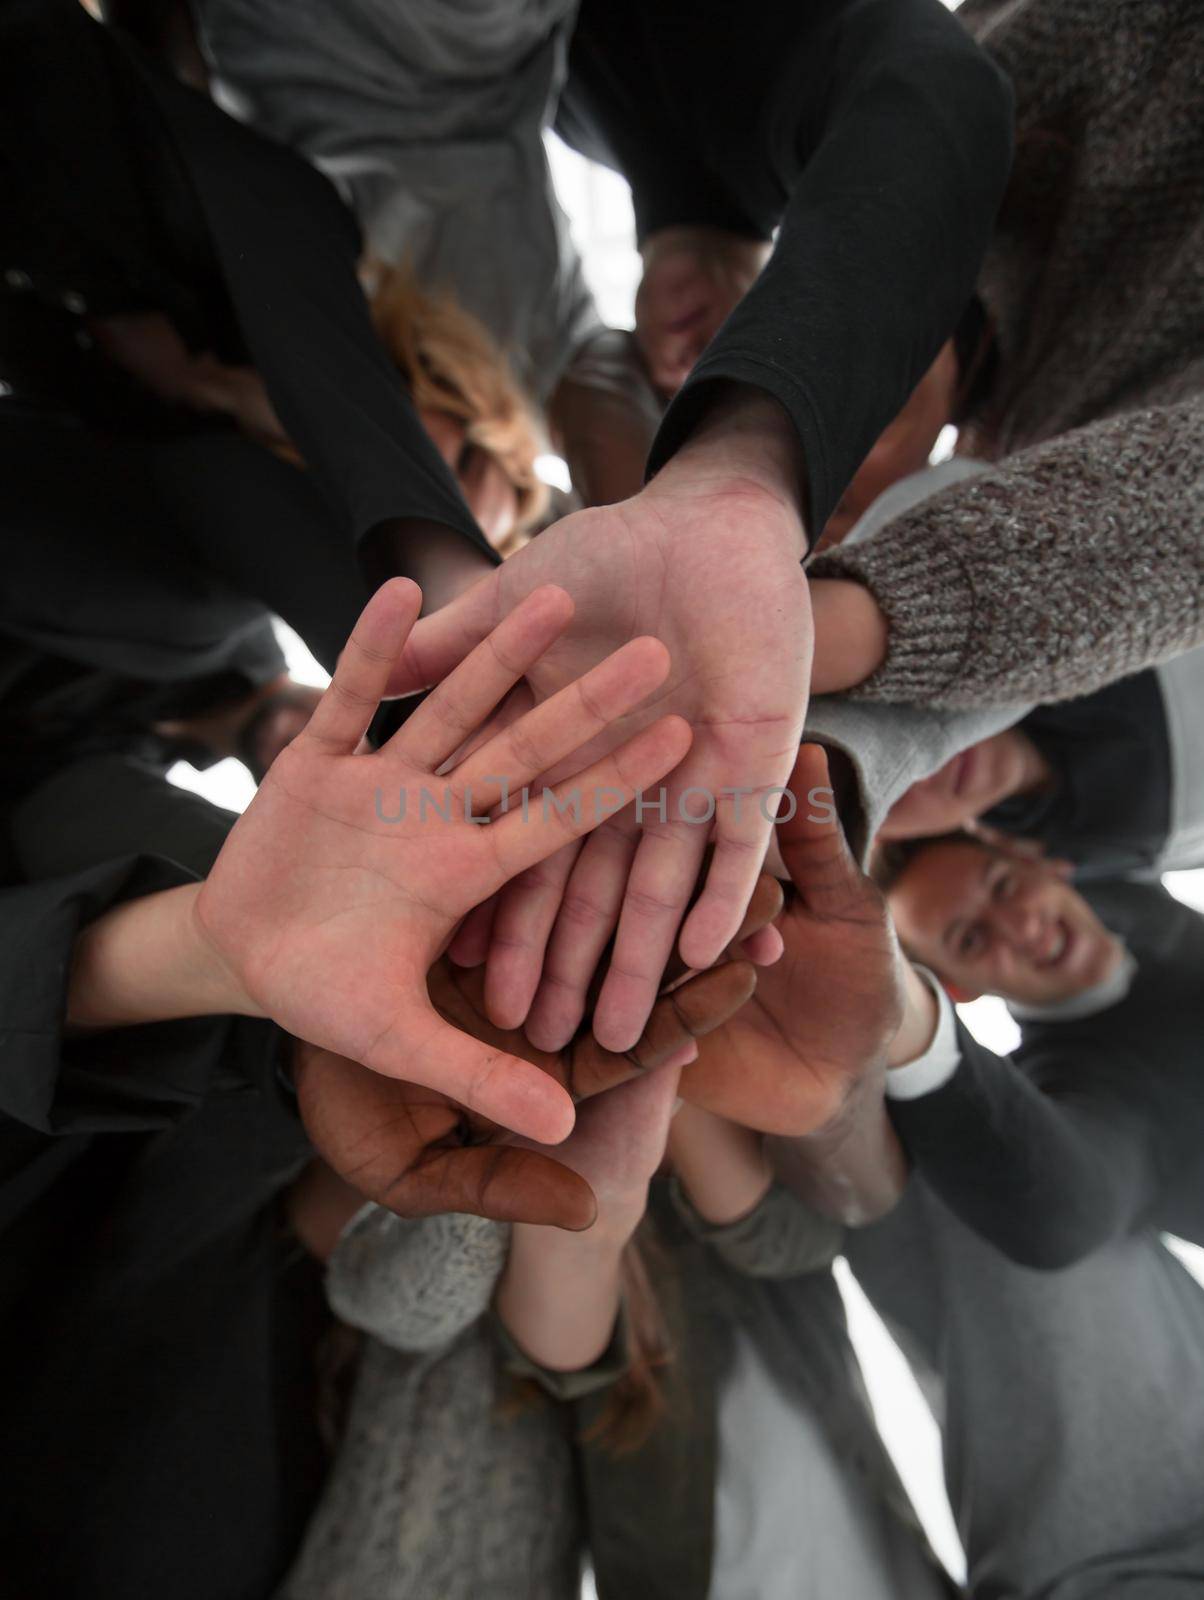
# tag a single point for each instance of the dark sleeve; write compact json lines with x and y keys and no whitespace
{"x":1047,"y":1162}
{"x":123,"y":1080}
{"x":87,"y":102}
{"x":874,"y":132}
{"x":288,"y":249}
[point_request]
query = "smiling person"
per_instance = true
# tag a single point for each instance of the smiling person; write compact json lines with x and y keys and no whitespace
{"x":992,"y":922}
{"x":1111,"y":782}
{"x":1068,"y":1399}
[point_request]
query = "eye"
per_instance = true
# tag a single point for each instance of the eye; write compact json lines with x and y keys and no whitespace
{"x":1004,"y":885}
{"x":971,"y":941}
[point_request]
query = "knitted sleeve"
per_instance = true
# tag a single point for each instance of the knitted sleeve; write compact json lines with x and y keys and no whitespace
{"x":415,"y":1283}
{"x":779,"y":1238}
{"x":1064,"y":568}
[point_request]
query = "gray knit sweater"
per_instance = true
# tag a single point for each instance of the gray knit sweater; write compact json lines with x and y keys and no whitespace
{"x":441,"y":1490}
{"x":1080,"y":558}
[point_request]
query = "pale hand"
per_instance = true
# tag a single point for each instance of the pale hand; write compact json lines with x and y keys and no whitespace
{"x":706,"y":558}
{"x":339,"y":886}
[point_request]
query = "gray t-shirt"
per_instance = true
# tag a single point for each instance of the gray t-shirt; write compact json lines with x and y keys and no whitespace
{"x":429,"y":116}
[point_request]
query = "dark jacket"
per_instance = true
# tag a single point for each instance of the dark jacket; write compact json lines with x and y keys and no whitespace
{"x":1092,"y":1129}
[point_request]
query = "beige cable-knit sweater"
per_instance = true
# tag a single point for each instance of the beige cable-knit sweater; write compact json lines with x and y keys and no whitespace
{"x":1080,"y":558}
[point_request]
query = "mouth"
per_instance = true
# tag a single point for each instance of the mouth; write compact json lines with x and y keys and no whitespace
{"x":1058,"y":947}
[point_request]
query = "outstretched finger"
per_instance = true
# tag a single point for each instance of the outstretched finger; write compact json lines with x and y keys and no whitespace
{"x":687,"y":1013}
{"x":549,"y":734}
{"x":586,"y":919}
{"x":527,"y":908}
{"x":342,"y":715}
{"x":462,"y":701}
{"x":582,"y":803}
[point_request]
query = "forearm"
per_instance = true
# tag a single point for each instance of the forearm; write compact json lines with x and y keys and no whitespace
{"x":1043,"y":1178}
{"x":851,"y":635}
{"x":891,"y":131}
{"x":440,"y":561}
{"x":560,"y":1294}
{"x":987,"y":591}
{"x":743,"y":442}
{"x":147,"y":961}
{"x":853,"y":1168}
{"x":721,"y":1166}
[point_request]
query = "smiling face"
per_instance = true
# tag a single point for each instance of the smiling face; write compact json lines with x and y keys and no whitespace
{"x":987,"y":923}
{"x":965,"y":787}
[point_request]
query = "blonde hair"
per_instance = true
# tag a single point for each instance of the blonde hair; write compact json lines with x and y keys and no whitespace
{"x":451,"y":364}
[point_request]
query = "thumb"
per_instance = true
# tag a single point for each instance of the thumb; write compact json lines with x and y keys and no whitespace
{"x":497,"y":1181}
{"x":438,"y":643}
{"x":812,"y":841}
{"x":421,"y":1047}
{"x":400,"y":1145}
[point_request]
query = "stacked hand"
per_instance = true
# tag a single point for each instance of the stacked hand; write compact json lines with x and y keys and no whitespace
{"x":828,"y":1012}
{"x":341,"y":884}
{"x":416,"y":1151}
{"x":706,"y":559}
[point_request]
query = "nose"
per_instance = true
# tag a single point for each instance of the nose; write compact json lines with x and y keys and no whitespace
{"x":1020,"y":920}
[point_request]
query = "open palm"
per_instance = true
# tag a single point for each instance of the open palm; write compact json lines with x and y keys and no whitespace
{"x":341,"y":884}
{"x":712,"y":569}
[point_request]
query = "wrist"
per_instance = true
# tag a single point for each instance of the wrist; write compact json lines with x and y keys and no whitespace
{"x":559,"y":1295}
{"x":723,"y":1168}
{"x":850,"y":635}
{"x":744,"y":443}
{"x":921,"y":1013}
{"x":149,"y":961}
{"x":216,"y":979}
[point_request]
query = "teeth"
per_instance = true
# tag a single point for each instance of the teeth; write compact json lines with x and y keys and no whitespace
{"x":1059,"y":946}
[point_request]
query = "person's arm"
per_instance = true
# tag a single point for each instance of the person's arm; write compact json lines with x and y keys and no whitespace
{"x":560,"y":1294}
{"x":559,"y":1298}
{"x":724,"y":1191}
{"x":63,"y":942}
{"x":604,"y":415}
{"x":852,"y":1168}
{"x":876,"y":133}
{"x":288,"y":250}
{"x":1049,"y":1162}
{"x":415,"y":1284}
{"x":1070,"y":565}
{"x":146,"y":960}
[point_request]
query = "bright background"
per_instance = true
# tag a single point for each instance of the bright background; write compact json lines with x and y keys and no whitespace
{"x":599,"y":205}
